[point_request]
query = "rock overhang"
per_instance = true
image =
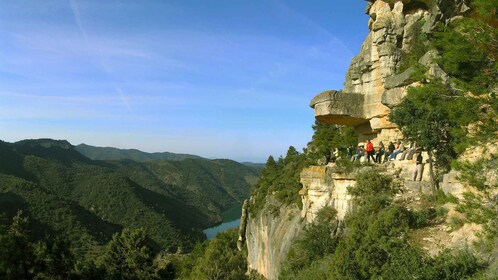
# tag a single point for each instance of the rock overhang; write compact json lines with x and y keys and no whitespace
{"x":338,"y":107}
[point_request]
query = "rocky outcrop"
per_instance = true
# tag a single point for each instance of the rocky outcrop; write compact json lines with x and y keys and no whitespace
{"x":335,"y":107}
{"x":376,"y":80}
{"x":322,"y":187}
{"x":269,"y":236}
{"x":242,"y":226}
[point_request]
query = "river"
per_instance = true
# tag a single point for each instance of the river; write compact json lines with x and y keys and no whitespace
{"x":231,"y":219}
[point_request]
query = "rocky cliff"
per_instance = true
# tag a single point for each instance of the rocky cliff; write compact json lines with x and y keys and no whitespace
{"x":377,"y":80}
{"x":269,"y":236}
{"x":378,"y":77}
{"x":324,"y":186}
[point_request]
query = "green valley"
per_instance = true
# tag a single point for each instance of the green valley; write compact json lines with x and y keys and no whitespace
{"x":64,"y":192}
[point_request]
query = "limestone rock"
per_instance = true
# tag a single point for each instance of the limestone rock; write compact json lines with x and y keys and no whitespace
{"x":381,"y":123}
{"x":338,"y":104}
{"x":323,"y":187}
{"x":393,"y":97}
{"x":269,"y":237}
{"x":242,"y":226}
{"x":465,"y":236}
{"x":373,"y":72}
{"x":371,"y":88}
{"x":400,"y":80}
{"x":429,"y":60}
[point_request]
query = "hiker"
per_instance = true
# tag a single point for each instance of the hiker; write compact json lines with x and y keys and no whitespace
{"x":398,"y":150}
{"x":417,"y":172}
{"x":335,"y":155}
{"x":359,"y":153}
{"x":380,"y":152}
{"x":370,"y":151}
{"x":327,"y":157}
{"x":390,"y":151}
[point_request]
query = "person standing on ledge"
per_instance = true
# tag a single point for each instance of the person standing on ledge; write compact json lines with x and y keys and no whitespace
{"x":327,"y":157}
{"x":390,"y":150}
{"x":417,"y":172}
{"x":380,"y":152}
{"x":370,"y":151}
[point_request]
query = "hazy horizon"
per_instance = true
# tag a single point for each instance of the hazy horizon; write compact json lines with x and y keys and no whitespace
{"x":231,"y":80}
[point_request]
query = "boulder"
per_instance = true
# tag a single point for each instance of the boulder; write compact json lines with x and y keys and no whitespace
{"x":400,"y":80}
{"x":393,"y":97}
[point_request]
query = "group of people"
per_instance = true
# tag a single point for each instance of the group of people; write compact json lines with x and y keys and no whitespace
{"x":382,"y":154}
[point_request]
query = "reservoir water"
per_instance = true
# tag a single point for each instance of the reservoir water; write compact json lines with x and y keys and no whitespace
{"x":211,"y":232}
{"x":231,"y":219}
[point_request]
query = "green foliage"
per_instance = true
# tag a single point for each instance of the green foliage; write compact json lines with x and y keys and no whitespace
{"x":127,"y":256}
{"x":486,"y":10}
{"x":376,"y":247}
{"x":422,"y":218}
{"x":438,"y":116}
{"x":441,"y":212}
{"x":375,"y":243}
{"x":53,"y":259}
{"x":88,"y":201}
{"x":108,"y":153}
{"x":475,"y":210}
{"x":326,"y":137}
{"x":16,"y":254}
{"x":442,"y":198}
{"x":435,"y":117}
{"x":480,"y":207}
{"x":218,"y":258}
{"x":456,"y":223}
{"x":21,"y":258}
{"x":319,"y":239}
{"x":344,"y":165}
{"x":468,"y":53}
{"x":281,"y":179}
{"x":453,"y":265}
{"x":475,"y":173}
{"x":418,"y":47}
{"x":373,"y":191}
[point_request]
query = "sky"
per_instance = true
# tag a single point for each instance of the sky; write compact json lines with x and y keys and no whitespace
{"x":216,"y":78}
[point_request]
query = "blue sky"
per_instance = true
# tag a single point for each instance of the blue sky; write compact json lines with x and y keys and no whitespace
{"x":220,"y":79}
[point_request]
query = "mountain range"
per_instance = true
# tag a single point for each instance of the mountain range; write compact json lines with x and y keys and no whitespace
{"x":63,"y":191}
{"x":110,"y":153}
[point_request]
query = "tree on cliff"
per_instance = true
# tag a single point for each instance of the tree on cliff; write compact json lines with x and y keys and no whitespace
{"x":328,"y":136}
{"x":435,"y":118}
{"x":445,"y":118}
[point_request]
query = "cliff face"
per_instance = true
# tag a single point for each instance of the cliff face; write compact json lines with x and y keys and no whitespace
{"x":269,"y":236}
{"x":323,"y":186}
{"x":377,"y":79}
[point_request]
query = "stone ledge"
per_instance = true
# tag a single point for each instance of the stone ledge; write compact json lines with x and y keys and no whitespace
{"x":338,"y":107}
{"x":400,"y":80}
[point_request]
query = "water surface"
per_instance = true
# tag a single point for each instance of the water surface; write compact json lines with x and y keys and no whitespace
{"x":231,"y":219}
{"x":211,"y":232}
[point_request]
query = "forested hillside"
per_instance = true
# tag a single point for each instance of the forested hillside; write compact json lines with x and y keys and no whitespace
{"x":63,"y":192}
{"x":110,"y":153}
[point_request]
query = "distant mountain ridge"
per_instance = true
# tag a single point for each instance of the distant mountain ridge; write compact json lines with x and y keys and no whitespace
{"x":111,"y":153}
{"x":64,"y":192}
